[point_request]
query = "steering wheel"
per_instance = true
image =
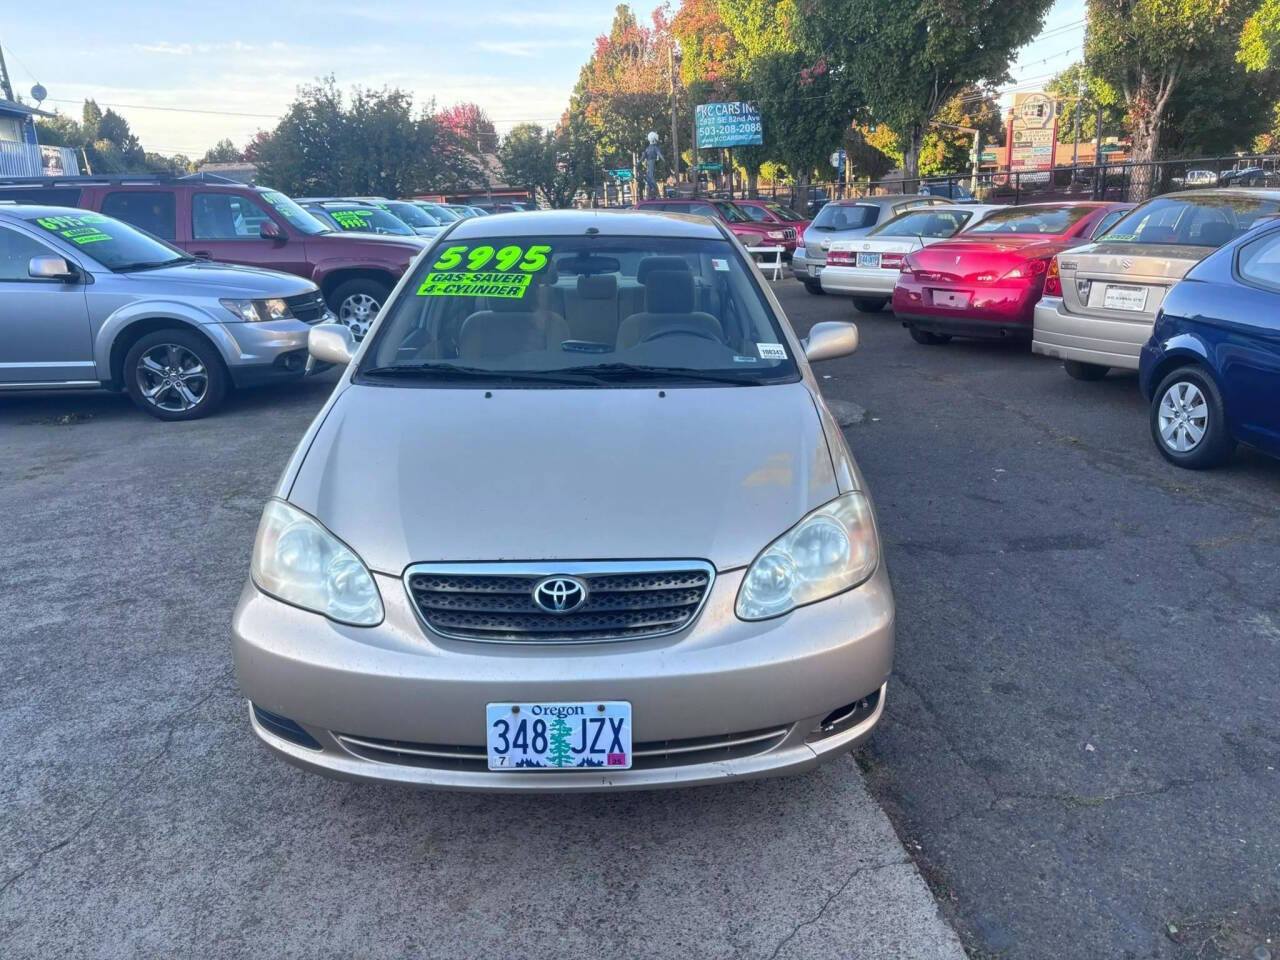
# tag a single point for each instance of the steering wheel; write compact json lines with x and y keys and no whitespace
{"x":682,"y":330}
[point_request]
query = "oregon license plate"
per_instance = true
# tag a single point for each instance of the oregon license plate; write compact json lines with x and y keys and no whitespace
{"x":1124,"y":298}
{"x":957,"y":300}
{"x":869,"y":260}
{"x":559,"y":736}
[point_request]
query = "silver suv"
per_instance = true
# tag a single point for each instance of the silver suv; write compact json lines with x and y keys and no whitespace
{"x":90,"y":301}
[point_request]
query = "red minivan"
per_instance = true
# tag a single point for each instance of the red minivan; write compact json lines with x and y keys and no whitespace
{"x":232,"y":222}
{"x":751,"y":234}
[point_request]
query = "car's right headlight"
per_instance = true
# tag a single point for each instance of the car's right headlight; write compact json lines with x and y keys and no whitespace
{"x":295,"y":559}
{"x":833,"y":549}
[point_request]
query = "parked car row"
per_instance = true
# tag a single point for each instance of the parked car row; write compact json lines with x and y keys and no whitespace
{"x":1184,"y":288}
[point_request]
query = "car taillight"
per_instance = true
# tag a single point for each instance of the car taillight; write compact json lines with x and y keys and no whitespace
{"x":907,"y":265}
{"x":891,"y":261}
{"x":1052,"y":281}
{"x":839,"y":258}
{"x":1027,"y":270}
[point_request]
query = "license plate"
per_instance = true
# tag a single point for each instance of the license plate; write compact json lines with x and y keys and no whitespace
{"x":817,"y":272}
{"x":869,"y":260}
{"x":1124,"y":298}
{"x":559,"y":736}
{"x":950,"y":298}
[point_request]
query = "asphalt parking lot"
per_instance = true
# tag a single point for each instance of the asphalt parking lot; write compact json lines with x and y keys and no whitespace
{"x":1079,"y":751}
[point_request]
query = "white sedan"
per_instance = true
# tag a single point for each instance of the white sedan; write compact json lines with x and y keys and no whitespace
{"x":867,"y":268}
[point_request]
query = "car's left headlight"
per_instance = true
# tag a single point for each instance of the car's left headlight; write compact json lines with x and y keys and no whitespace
{"x":777,"y":234}
{"x":256,"y":311}
{"x":295,"y":559}
{"x":831,"y":550}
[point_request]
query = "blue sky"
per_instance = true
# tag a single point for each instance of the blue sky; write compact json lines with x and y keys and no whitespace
{"x":519,"y":63}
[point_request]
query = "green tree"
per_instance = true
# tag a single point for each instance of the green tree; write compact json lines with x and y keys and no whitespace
{"x":559,"y":742}
{"x":1144,"y":48}
{"x":1260,"y":37}
{"x":908,"y":58}
{"x":224,"y":151}
{"x":554,"y":164}
{"x":1097,"y":92}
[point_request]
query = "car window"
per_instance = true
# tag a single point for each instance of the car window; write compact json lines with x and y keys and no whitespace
{"x":923,"y":223}
{"x":698,"y":209}
{"x":16,"y":251}
{"x":626,"y":310}
{"x":1258,"y":261}
{"x":150,"y":210}
{"x":731,"y":212}
{"x":846,"y":216}
{"x":783,"y":213}
{"x":758,"y":214}
{"x":367,"y":219}
{"x":226,"y":216}
{"x":1205,"y":221}
{"x":410,"y":213}
{"x":112,"y":243}
{"x":1054,"y":220}
{"x":301,"y":220}
{"x":1107,"y":222}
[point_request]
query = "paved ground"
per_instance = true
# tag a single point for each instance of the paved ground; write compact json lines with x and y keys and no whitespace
{"x":139,"y":819}
{"x":1081,"y":743}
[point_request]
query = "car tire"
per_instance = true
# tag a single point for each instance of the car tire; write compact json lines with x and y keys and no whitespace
{"x":927,"y":338}
{"x":1084,"y":371}
{"x":1188,"y":420}
{"x":814,"y":287}
{"x":175,"y":375}
{"x":357,"y":302}
{"x":870,"y":304}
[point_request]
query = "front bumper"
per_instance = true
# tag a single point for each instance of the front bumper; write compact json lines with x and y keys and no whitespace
{"x":1078,"y":336}
{"x":721,"y":677}
{"x":259,"y":353}
{"x":857,"y":282}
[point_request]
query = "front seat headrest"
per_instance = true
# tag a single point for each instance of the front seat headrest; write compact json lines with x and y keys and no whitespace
{"x":669,"y":291}
{"x":603,"y":286}
{"x":650,"y":264}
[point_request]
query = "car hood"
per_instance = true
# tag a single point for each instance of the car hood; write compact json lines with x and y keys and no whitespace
{"x":381,"y":240}
{"x":229,"y":279}
{"x":408,"y":475}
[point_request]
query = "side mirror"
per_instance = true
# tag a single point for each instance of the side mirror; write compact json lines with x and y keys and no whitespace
{"x":331,"y":343}
{"x":51,"y":267}
{"x":829,"y":340}
{"x":270,"y":230}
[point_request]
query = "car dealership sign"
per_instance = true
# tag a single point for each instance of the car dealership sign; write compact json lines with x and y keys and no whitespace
{"x":732,"y":124}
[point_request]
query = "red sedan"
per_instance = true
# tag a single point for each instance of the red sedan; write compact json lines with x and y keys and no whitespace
{"x":780,"y":217}
{"x":986,"y":280}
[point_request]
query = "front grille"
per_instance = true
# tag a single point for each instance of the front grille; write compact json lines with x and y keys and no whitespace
{"x":789,"y":233}
{"x":653,"y":755}
{"x":495,"y":602}
{"x":307,"y":307}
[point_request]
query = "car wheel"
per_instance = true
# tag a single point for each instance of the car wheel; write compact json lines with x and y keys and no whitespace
{"x":357,"y":303}
{"x":1188,"y":420}
{"x":870,"y":304}
{"x":814,"y":287}
{"x":929,"y":339}
{"x":175,"y":375}
{"x":1084,"y":371}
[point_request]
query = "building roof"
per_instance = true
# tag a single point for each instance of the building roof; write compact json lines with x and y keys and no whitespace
{"x":12,"y":108}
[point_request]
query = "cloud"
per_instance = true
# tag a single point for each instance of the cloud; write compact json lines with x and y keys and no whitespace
{"x":165,"y":47}
{"x":525,"y":48}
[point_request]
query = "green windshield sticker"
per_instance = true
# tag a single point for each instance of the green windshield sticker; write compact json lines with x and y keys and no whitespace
{"x":459,"y":271}
{"x":281,"y":203}
{"x":80,"y":230}
{"x":505,"y":286}
{"x":1119,"y":236}
{"x":351,"y":219}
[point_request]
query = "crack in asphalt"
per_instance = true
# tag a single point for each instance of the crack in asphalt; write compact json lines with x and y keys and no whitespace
{"x":146,"y":765}
{"x":831,"y":899}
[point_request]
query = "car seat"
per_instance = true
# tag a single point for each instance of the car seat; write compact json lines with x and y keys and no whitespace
{"x":510,"y":327}
{"x":669,"y":303}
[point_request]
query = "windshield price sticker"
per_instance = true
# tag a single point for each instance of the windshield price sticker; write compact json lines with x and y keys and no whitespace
{"x":351,"y":219}
{"x":460,"y":271}
{"x":80,"y":230}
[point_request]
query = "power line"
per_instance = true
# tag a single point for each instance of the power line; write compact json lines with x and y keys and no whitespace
{"x":139,"y":106}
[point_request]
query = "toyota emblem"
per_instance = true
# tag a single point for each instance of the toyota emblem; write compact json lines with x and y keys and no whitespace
{"x":559,"y":594}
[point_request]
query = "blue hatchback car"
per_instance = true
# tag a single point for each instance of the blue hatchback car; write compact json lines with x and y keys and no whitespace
{"x":1211,"y":369}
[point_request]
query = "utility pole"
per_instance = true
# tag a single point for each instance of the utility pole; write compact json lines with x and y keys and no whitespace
{"x":675,"y":140}
{"x":1075,"y":150}
{"x":5,"y":86}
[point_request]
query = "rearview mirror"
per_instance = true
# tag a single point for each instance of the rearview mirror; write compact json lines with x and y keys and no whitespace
{"x":50,"y":267}
{"x":829,"y":340}
{"x":270,"y":230}
{"x":331,"y":343}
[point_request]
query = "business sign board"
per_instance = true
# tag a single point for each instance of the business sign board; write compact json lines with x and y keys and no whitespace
{"x":732,"y":124}
{"x":1033,"y":131}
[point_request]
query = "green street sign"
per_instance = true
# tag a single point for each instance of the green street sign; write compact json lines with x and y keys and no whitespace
{"x":624,"y":174}
{"x":709,"y":167}
{"x":1112,"y":148}
{"x":988,"y":156}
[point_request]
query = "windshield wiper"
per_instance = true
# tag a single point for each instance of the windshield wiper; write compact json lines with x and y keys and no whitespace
{"x":645,"y":372}
{"x":448,"y":371}
{"x":151,"y":264}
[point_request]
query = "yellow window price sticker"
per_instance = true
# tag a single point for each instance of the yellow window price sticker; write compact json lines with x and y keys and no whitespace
{"x":460,"y":271}
{"x":507,"y":286}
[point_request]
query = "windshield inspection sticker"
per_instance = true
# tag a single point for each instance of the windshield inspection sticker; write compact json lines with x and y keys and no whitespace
{"x":772,"y":351}
{"x":720,"y":265}
{"x":80,"y":230}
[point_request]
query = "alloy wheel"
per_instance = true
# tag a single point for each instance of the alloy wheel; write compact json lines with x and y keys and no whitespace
{"x":1183,"y":417}
{"x":357,"y":312}
{"x":172,"y":378}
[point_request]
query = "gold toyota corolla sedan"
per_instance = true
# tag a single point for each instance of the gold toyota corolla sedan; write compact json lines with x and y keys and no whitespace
{"x":574,"y":518}
{"x":1101,"y":300}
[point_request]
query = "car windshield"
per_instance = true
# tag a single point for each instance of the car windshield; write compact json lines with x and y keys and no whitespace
{"x":731,"y":212}
{"x":1039,"y":220}
{"x":442,"y":214}
{"x":923,"y":223}
{"x":846,"y":216}
{"x":367,"y":220}
{"x":1196,"y":221}
{"x":112,"y":243}
{"x":410,"y":213}
{"x":299,"y":219}
{"x":783,"y":213}
{"x":581,"y":311}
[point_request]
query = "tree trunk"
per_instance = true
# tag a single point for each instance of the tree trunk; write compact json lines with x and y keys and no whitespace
{"x":911,"y":161}
{"x":800,"y":193}
{"x":1146,"y":146}
{"x":753,"y":179}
